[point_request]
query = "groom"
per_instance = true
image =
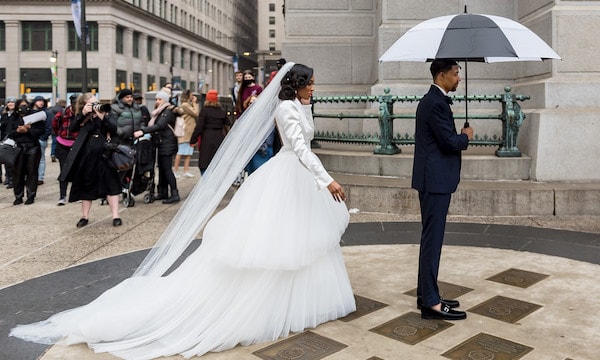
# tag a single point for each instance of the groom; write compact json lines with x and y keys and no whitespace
{"x":436,"y":173}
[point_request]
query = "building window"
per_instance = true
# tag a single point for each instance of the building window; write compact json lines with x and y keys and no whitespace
{"x":151,"y":80}
{"x":2,"y":36}
{"x":121,"y":80}
{"x":36,"y":35}
{"x":271,"y":20}
{"x":137,"y":82}
{"x":272,"y":46}
{"x":75,"y":43}
{"x":74,"y":80}
{"x":120,"y":38}
{"x":135,"y":51}
{"x":182,"y":59}
{"x":36,"y":80}
{"x":149,"y":49}
{"x":271,"y":33}
{"x":271,"y":7}
{"x":161,"y":52}
{"x":163,"y":81}
{"x":173,"y":48}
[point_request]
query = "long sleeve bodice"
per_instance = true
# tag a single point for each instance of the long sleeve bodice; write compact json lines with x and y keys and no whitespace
{"x":296,"y":126}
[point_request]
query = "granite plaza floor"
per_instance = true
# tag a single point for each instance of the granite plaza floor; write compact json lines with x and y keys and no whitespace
{"x":524,"y":282}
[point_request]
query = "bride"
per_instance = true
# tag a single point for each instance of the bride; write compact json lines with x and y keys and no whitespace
{"x":269,"y":264}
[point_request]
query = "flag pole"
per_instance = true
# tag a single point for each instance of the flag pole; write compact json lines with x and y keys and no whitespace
{"x":83,"y":42}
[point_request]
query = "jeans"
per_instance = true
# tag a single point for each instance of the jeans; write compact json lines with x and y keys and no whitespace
{"x":42,"y":167}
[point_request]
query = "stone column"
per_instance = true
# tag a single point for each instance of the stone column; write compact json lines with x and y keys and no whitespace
{"x":13,"y":47}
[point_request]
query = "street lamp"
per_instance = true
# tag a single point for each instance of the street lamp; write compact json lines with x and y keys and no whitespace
{"x":54,"y":69}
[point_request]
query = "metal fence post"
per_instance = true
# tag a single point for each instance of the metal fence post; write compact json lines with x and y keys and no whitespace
{"x":512,"y":119}
{"x":386,"y":125}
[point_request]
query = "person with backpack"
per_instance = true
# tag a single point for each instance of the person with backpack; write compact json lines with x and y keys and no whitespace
{"x":64,"y":141}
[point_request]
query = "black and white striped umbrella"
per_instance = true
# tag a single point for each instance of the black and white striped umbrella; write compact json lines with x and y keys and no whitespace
{"x":469,"y":37}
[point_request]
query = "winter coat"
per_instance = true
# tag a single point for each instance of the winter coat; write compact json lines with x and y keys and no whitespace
{"x":162,"y":135}
{"x":128,"y":120}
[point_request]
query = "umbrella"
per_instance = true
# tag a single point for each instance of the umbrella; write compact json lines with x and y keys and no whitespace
{"x":469,"y":37}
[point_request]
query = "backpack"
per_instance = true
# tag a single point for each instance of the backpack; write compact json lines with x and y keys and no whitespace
{"x":179,"y":129}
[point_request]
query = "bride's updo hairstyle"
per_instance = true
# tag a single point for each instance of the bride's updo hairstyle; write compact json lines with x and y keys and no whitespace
{"x":297,"y":78}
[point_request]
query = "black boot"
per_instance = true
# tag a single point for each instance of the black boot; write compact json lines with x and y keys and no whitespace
{"x":174,"y":198}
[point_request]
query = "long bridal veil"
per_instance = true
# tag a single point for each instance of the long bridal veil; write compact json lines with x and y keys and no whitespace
{"x":240,"y":144}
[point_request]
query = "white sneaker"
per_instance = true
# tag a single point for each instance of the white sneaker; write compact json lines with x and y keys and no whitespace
{"x":62,"y":201}
{"x":177,"y":175}
{"x":189,"y":175}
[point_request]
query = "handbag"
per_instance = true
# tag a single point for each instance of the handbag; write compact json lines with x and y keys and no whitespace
{"x":120,"y":157}
{"x":9,"y":152}
{"x":179,"y":129}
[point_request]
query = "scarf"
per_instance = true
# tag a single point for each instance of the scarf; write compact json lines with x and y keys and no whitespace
{"x":157,"y":112}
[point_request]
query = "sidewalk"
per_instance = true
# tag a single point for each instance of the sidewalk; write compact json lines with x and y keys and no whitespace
{"x":48,"y":265}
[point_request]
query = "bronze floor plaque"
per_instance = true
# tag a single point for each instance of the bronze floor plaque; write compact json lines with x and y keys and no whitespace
{"x":505,"y":309}
{"x":364,"y":306}
{"x":487,"y":347}
{"x":447,"y":290}
{"x":305,"y":346}
{"x":516,"y":277}
{"x":410,"y":328}
{"x":374,"y":358}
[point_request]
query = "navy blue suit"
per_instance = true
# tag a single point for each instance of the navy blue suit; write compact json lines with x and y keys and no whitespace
{"x":436,"y":174}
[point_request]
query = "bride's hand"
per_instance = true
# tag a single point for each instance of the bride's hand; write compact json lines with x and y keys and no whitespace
{"x":336,"y":191}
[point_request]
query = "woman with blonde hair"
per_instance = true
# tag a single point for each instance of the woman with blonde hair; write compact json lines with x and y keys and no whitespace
{"x":189,"y":109}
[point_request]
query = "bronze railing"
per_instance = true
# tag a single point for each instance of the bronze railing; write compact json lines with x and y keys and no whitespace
{"x":387,"y":142}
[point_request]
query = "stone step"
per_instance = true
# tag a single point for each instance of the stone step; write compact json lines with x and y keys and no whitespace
{"x":474,"y":197}
{"x":490,"y":185}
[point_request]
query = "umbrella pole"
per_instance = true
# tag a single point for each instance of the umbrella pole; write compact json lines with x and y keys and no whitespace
{"x":466,"y":94}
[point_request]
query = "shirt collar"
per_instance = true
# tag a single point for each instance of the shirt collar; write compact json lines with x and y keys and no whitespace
{"x":442,"y":90}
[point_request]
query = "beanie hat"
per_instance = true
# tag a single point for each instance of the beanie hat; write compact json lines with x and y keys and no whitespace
{"x":124,"y":93}
{"x":11,"y":99}
{"x":163,"y":96}
{"x":166,"y":90}
{"x":137,"y":96}
{"x":38,"y":98}
{"x":212,"y":96}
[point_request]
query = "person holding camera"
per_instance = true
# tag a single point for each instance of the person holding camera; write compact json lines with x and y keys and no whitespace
{"x":86,"y":166}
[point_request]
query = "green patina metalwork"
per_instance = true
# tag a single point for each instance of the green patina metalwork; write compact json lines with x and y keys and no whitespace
{"x":387,"y":143}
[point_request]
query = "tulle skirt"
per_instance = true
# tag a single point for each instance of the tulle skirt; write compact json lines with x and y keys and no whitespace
{"x":269,"y":264}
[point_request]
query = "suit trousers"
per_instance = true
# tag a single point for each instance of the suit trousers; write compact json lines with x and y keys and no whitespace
{"x":434,"y":209}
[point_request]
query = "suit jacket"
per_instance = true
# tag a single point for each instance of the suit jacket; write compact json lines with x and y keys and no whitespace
{"x":437,"y":160}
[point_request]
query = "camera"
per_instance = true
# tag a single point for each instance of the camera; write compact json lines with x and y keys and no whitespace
{"x":101,"y":107}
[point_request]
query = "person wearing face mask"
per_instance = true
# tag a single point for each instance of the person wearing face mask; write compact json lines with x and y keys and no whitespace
{"x":247,"y":93}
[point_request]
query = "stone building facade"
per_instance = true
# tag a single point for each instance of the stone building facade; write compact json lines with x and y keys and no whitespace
{"x":133,"y":43}
{"x":343,"y":39}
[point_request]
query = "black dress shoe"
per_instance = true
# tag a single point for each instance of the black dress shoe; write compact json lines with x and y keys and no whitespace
{"x":448,"y":302}
{"x":29,"y":201}
{"x":82,"y":222}
{"x":446,"y":313}
{"x":160,"y":197}
{"x":18,"y":201}
{"x":117,"y":222}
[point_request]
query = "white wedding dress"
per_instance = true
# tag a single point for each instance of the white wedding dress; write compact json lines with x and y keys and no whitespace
{"x":269,"y":264}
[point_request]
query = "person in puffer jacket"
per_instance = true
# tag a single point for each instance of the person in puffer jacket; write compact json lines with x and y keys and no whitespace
{"x":127,"y":114}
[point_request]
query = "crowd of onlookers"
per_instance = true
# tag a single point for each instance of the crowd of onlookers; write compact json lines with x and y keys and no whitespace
{"x":77,"y":133}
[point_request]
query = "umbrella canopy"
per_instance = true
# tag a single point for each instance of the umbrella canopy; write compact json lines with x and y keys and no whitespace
{"x":469,"y":37}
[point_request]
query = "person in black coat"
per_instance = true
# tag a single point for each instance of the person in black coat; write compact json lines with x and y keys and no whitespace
{"x":436,"y":173}
{"x":86,"y":165}
{"x":210,"y":129}
{"x":160,"y":127}
{"x":9,"y":115}
{"x":25,"y":170}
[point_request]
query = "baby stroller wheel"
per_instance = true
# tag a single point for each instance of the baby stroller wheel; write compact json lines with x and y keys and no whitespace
{"x":148,"y":198}
{"x":128,"y":201}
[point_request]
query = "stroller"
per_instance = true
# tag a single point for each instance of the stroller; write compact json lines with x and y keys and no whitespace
{"x":141,"y":176}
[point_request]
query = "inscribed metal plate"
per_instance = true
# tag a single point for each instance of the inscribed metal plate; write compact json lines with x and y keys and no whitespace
{"x":305,"y":346}
{"x":375,"y":358}
{"x":516,"y":277}
{"x":505,"y":309}
{"x":447,"y":290}
{"x":364,"y":306}
{"x":487,"y":347}
{"x":410,"y":328}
